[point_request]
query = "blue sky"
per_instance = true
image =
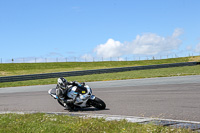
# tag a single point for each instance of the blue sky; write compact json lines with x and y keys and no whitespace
{"x":96,"y":29}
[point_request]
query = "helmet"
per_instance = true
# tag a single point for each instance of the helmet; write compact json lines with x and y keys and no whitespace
{"x":62,"y":82}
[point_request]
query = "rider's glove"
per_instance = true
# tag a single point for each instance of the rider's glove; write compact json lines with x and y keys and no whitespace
{"x":74,"y":83}
{"x":83,"y":83}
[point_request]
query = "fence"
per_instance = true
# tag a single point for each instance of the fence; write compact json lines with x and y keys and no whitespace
{"x":90,"y":59}
{"x":88,"y":72}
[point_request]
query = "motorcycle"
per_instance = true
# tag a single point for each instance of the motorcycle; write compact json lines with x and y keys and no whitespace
{"x":85,"y":99}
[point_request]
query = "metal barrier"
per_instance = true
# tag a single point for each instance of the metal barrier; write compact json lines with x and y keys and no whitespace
{"x":89,"y":72}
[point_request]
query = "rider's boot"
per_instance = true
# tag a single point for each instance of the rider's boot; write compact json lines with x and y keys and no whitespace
{"x":69,"y":104}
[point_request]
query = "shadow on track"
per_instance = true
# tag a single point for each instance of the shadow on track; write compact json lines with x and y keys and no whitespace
{"x":86,"y":109}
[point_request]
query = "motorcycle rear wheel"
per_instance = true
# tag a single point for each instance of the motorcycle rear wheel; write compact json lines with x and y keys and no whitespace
{"x":98,"y":103}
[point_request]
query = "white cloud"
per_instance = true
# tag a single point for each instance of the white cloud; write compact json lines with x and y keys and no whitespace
{"x":87,"y":57}
{"x":197,"y":48}
{"x":189,"y":48}
{"x":54,"y":54}
{"x":121,"y":59}
{"x":111,"y":48}
{"x":177,"y":32}
{"x":145,"y":44}
{"x":152,"y":44}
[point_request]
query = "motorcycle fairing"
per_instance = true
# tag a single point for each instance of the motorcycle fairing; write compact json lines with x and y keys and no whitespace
{"x":52,"y":92}
{"x":80,"y":100}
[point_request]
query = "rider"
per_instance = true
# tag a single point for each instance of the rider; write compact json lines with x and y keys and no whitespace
{"x":63,"y":87}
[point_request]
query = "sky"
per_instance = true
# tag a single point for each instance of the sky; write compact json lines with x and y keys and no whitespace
{"x":98,"y":29}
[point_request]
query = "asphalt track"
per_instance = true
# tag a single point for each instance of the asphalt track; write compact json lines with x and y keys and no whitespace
{"x":175,"y":98}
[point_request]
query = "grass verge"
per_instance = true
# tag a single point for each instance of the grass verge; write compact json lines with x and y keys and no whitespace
{"x":163,"y":72}
{"x":44,"y":123}
{"x":36,"y":68}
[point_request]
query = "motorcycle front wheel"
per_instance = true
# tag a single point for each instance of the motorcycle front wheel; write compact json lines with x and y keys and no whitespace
{"x":98,"y":103}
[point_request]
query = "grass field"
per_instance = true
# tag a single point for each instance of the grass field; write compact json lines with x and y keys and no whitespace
{"x":163,"y":72}
{"x":44,"y":123}
{"x":33,"y":68}
{"x":36,"y":68}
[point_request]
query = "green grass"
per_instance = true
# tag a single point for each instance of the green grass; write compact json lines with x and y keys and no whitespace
{"x":44,"y":123}
{"x":35,"y":68}
{"x":164,"y":72}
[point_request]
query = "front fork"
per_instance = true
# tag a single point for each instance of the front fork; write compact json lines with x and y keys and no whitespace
{"x":92,"y":97}
{"x":90,"y":100}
